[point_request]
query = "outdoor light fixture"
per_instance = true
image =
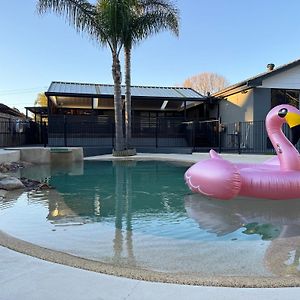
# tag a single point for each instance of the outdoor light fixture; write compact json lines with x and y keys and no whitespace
{"x":95,"y":102}
{"x":164,"y":104}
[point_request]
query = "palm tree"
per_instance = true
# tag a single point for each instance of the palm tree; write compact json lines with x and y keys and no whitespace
{"x":105,"y":21}
{"x":146,"y":17}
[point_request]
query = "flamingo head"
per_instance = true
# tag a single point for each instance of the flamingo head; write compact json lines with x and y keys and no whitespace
{"x":281,"y":114}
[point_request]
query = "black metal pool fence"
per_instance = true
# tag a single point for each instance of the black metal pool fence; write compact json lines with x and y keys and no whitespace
{"x":147,"y":133}
{"x":19,"y":132}
{"x":238,"y":137}
{"x":166,"y":132}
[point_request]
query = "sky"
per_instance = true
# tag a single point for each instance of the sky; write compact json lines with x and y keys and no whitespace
{"x":234,"y":38}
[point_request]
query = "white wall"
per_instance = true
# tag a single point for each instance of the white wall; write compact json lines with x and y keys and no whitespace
{"x":237,"y":107}
{"x":289,"y":79}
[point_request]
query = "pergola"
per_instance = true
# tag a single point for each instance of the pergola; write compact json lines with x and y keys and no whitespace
{"x":71,"y":98}
{"x":40,"y":111}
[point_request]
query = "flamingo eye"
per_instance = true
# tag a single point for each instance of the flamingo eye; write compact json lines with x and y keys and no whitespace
{"x":282,"y":113}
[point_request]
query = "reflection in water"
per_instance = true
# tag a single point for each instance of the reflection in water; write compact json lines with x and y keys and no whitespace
{"x":8,"y":199}
{"x":141,"y":214}
{"x":123,"y":202}
{"x":58,"y":209}
{"x":264,"y":217}
{"x":266,"y":231}
{"x":44,"y":172}
{"x":129,"y":231}
{"x":277,"y":221}
{"x":282,"y":256}
{"x":105,"y":192}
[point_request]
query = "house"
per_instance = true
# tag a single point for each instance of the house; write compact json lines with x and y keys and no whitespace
{"x":171,"y":119}
{"x":10,"y":113}
{"x":82,"y":114}
{"x":251,"y":99}
{"x":244,"y":105}
{"x":13,"y":126}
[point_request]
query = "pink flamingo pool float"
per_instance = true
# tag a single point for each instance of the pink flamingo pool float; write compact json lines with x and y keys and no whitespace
{"x":276,"y":178}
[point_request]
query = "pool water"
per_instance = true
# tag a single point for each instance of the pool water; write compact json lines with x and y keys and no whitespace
{"x":141,"y":214}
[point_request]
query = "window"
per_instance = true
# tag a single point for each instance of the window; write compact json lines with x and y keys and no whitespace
{"x":292,"y":97}
{"x":148,"y":120}
{"x":279,"y":96}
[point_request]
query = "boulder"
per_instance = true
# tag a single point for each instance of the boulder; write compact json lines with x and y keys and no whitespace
{"x":2,"y":193}
{"x":10,"y":183}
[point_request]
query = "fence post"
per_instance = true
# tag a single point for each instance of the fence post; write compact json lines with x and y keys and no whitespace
{"x":41,"y":132}
{"x":156,"y":134}
{"x":193,"y":135}
{"x":239,"y":137}
{"x":112,"y":134}
{"x":65,"y":131}
{"x":220,"y":129}
{"x":45,"y":134}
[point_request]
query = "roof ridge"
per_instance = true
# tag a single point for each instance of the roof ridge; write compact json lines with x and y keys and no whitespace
{"x":260,"y":75}
{"x":123,"y":85}
{"x":105,"y":89}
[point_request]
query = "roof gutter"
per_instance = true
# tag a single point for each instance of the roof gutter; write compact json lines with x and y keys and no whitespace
{"x":74,"y":95}
{"x":244,"y":86}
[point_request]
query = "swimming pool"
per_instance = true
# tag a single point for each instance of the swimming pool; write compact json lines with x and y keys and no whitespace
{"x":141,"y":215}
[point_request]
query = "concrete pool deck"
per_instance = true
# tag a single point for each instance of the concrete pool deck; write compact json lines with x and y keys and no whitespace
{"x":188,"y":158}
{"x":25,"y":277}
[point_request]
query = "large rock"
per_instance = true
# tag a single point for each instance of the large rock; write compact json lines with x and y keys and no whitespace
{"x":10,"y":183}
{"x":2,"y":193}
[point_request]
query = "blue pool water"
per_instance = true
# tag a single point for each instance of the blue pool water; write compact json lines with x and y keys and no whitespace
{"x":142,"y":214}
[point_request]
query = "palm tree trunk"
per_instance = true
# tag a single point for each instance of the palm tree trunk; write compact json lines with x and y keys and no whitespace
{"x":127,"y":55}
{"x":116,"y":72}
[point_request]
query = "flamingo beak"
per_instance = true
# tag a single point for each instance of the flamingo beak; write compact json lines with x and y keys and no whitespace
{"x":293,"y":119}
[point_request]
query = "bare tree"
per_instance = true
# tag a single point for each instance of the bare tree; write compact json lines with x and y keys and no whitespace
{"x":206,"y":83}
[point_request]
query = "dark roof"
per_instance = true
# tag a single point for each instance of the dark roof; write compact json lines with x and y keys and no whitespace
{"x":107,"y":90}
{"x":38,"y":110}
{"x":256,"y":80}
{"x":10,"y":111}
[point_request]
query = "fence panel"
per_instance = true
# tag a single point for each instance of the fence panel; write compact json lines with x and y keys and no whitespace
{"x":238,"y":137}
{"x":171,"y":132}
{"x":206,"y":135}
{"x":15,"y":132}
{"x":87,"y":132}
{"x":80,"y":131}
{"x":249,"y":137}
{"x":159,"y":132}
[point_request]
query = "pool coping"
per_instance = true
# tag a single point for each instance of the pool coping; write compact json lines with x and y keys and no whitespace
{"x":66,"y":259}
{"x":70,"y":260}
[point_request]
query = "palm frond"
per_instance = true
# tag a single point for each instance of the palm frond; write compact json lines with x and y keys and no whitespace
{"x":113,"y":15}
{"x":79,"y":13}
{"x":149,"y":17}
{"x":154,"y":22}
